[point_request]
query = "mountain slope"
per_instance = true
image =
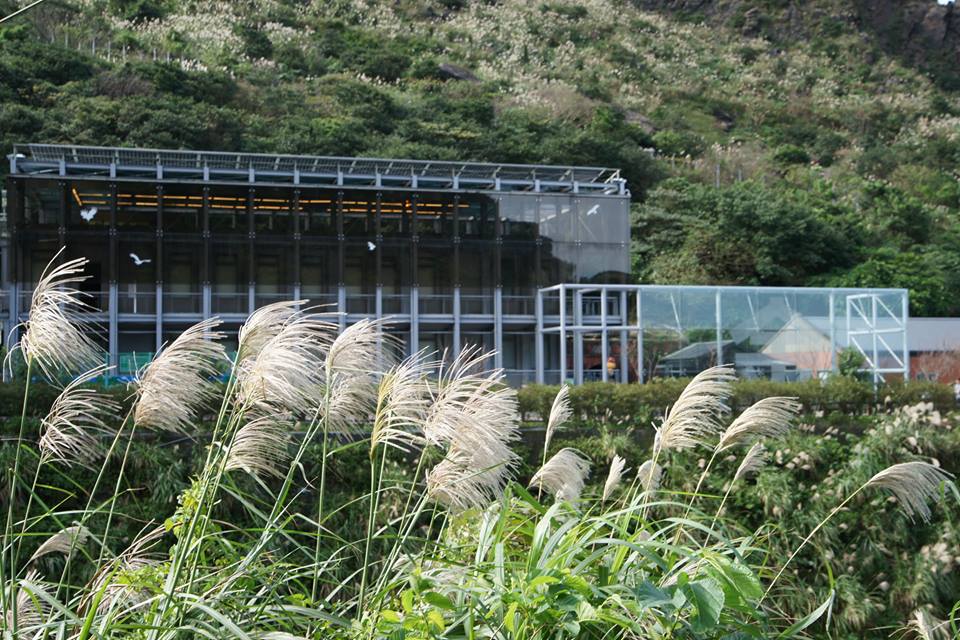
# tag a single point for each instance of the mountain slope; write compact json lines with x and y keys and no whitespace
{"x":794,"y":117}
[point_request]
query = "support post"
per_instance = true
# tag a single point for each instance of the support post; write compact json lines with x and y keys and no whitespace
{"x":539,"y":337}
{"x":833,"y":331}
{"x":498,"y":327}
{"x":577,"y":337}
{"x":904,"y":318}
{"x":563,"y":334}
{"x":604,"y":371}
{"x":640,"y":371}
{"x":624,"y":337}
{"x":718,"y":316}
{"x":456,"y":321}
{"x":414,"y":320}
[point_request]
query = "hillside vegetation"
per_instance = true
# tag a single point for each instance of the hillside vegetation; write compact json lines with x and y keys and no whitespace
{"x":765,"y":141}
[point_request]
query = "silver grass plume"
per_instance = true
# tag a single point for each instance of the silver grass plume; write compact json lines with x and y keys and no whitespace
{"x":617,"y":469}
{"x":72,"y":430}
{"x":403,"y":399}
{"x":696,"y":414}
{"x":52,"y":338}
{"x":63,"y":542}
{"x":563,"y":475}
{"x":261,"y":447}
{"x":926,"y":627}
{"x":752,"y":462}
{"x":474,"y":415}
{"x":649,"y":475}
{"x":33,"y":606}
{"x":179,"y":381}
{"x":283,"y":369}
{"x":263,"y":324}
{"x":356,"y":358}
{"x":767,"y":418}
{"x":458,"y":484}
{"x":914,"y":484}
{"x":560,"y":412}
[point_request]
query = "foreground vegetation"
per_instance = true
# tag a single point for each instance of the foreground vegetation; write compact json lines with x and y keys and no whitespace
{"x":271,"y":536}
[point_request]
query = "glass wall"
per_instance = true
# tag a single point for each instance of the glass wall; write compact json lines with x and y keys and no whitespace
{"x":776,"y":333}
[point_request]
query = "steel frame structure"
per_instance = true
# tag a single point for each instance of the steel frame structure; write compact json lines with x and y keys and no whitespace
{"x":580,"y":310}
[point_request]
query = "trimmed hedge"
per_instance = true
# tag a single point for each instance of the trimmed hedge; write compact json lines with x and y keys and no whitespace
{"x":639,"y":404}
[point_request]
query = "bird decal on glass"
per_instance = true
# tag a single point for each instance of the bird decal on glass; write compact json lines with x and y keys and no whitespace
{"x":87,"y":213}
{"x":138,"y":261}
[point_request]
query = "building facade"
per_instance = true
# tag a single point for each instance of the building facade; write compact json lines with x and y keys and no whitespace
{"x":452,"y":253}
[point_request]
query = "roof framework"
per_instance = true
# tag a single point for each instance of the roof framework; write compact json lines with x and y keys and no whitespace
{"x":161,"y":164}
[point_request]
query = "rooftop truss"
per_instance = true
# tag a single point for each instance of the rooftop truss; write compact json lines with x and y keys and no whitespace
{"x":161,"y":164}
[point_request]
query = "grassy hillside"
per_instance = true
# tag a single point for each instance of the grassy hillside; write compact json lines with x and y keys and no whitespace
{"x":790,"y":147}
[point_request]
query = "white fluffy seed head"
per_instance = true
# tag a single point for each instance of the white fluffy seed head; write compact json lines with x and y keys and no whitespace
{"x":696,"y":415}
{"x":53,"y":339}
{"x":261,"y":447}
{"x":64,"y":542}
{"x":282,"y":370}
{"x":403,"y":399}
{"x":617,"y":469}
{"x":264,"y":324}
{"x":109,"y":580}
{"x":73,"y":430}
{"x":180,"y":381}
{"x":560,"y":412}
{"x":563,"y":475}
{"x":915,"y":484}
{"x":474,"y":416}
{"x":649,"y":475}
{"x":927,"y":627}
{"x":767,"y":418}
{"x":752,"y":462}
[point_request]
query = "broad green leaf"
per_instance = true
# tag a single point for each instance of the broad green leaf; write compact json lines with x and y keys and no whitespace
{"x":707,"y":596}
{"x":510,"y":619}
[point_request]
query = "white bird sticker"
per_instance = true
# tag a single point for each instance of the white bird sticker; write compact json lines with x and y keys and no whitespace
{"x":371,"y":246}
{"x":137,"y":260}
{"x":87,"y":213}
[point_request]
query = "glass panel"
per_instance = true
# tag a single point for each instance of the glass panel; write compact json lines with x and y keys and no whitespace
{"x":182,"y":277}
{"x":95,"y":247}
{"x":477,"y":216}
{"x":395,"y":215}
{"x":602,"y":263}
{"x":518,"y":216}
{"x":318,"y":213}
{"x":557,"y":219}
{"x":41,"y":204}
{"x":360,"y":278}
{"x":274,"y":273}
{"x":359,"y":211}
{"x":88,"y":207}
{"x":229,"y":277}
{"x":273,"y":212}
{"x":228,"y":210}
{"x":318,"y":273}
{"x":434,"y":217}
{"x":435,"y":278}
{"x":182,"y":208}
{"x":138,"y":275}
{"x":603,"y":220}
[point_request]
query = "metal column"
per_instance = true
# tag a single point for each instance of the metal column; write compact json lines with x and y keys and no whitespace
{"x":604,"y":372}
{"x":498,"y":327}
{"x":640,"y":371}
{"x":577,"y":337}
{"x":624,"y":338}
{"x":563,"y":334}
{"x":456,"y":321}
{"x":539,"y":337}
{"x":414,"y":319}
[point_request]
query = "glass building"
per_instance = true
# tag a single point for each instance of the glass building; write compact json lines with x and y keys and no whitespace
{"x":529,"y":261}
{"x":453,"y":253}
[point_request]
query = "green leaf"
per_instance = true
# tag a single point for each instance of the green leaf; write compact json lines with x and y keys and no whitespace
{"x":390,"y":616}
{"x":510,"y":619}
{"x":810,"y":618}
{"x":439,"y":600}
{"x":406,"y":601}
{"x":650,"y":596}
{"x":707,"y":596}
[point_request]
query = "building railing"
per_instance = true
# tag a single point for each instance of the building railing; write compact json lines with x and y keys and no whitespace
{"x":136,"y":302}
{"x":362,"y":303}
{"x":395,"y":303}
{"x":472,"y":304}
{"x":519,"y":305}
